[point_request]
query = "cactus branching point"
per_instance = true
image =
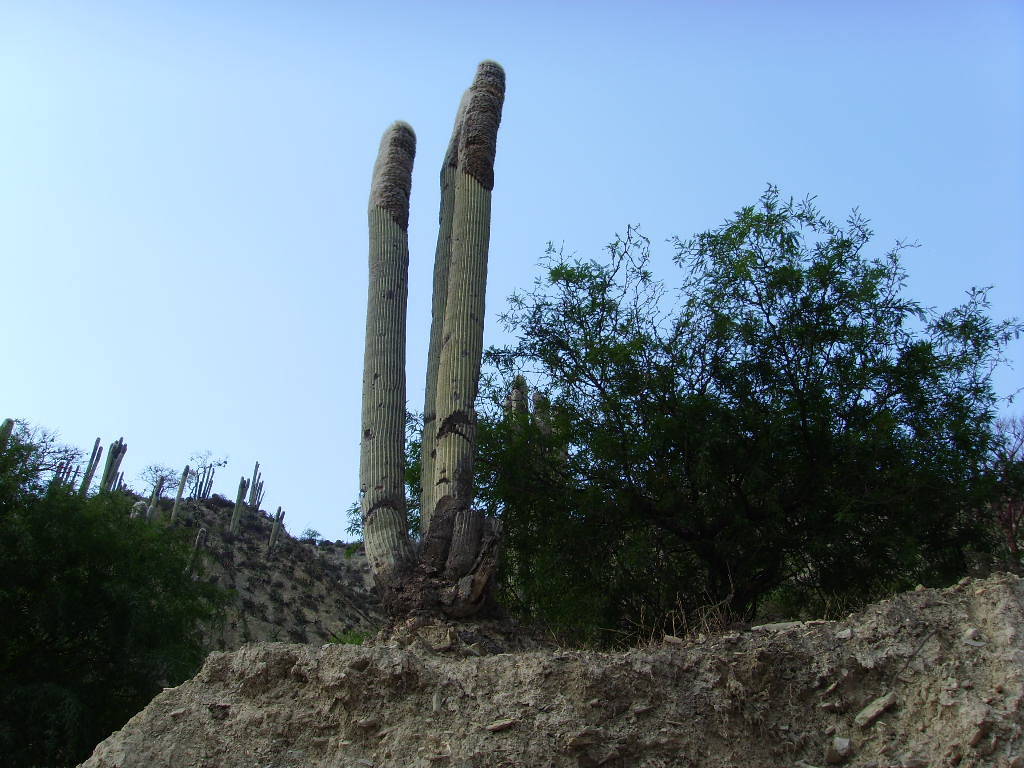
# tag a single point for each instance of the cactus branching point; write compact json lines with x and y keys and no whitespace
{"x":457,"y":557}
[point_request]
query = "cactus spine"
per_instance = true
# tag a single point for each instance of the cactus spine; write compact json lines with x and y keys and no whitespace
{"x":90,"y":470}
{"x":382,"y":448}
{"x":453,"y":538}
{"x":177,"y":497}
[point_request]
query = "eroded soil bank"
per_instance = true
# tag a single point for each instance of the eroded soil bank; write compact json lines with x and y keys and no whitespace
{"x":928,"y":678}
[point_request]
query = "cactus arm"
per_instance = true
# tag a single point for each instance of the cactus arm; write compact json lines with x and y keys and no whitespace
{"x":382,"y":445}
{"x":442,"y":259}
{"x":453,"y":537}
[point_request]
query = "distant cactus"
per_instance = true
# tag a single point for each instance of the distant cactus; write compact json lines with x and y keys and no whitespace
{"x":198,"y":544}
{"x":181,"y":488}
{"x":204,"y":483}
{"x":256,"y":488}
{"x":276,"y":530}
{"x":110,"y":480}
{"x":154,"y":500}
{"x":236,"y":514}
{"x":90,"y":470}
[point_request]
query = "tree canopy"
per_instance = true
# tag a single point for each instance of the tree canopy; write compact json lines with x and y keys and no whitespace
{"x":96,"y":608}
{"x":782,"y":422}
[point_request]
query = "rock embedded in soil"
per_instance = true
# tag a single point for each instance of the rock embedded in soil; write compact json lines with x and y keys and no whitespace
{"x":751,"y":699}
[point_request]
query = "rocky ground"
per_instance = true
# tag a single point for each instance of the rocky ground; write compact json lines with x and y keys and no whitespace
{"x":927,"y":678}
{"x":301,"y":592}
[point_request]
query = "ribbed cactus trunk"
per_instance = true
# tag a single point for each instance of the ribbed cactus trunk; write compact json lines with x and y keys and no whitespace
{"x":456,"y":530}
{"x":442,"y":260}
{"x":90,"y":469}
{"x":382,"y":447}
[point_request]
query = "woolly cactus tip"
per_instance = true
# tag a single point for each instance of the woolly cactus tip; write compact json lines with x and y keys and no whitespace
{"x":451,"y":157}
{"x":478,"y":134}
{"x":392,"y":173}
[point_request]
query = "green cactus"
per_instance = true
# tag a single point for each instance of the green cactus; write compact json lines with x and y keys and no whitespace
{"x":442,"y":259}
{"x":90,"y":470}
{"x":457,"y":541}
{"x":236,"y":513}
{"x":110,"y":480}
{"x":154,"y":500}
{"x":196,"y":546}
{"x":454,"y":536}
{"x":382,"y":448}
{"x":276,"y":530}
{"x":181,"y":489}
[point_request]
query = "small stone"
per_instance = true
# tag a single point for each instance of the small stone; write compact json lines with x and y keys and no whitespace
{"x":500,"y":725}
{"x":919,"y":588}
{"x":972,"y":636}
{"x":911,"y":760}
{"x":672,"y":640}
{"x":367,"y":722}
{"x":838,"y":751}
{"x":219,"y":711}
{"x":780,"y":626}
{"x":844,"y":634}
{"x":874,"y":710}
{"x":176,"y":713}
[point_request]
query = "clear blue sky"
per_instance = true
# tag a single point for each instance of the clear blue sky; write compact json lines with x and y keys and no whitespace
{"x":183,"y":185}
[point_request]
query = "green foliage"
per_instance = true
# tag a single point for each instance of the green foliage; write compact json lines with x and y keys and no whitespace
{"x":350,"y":637}
{"x":311,"y":535}
{"x":96,"y":609}
{"x":784,"y":422}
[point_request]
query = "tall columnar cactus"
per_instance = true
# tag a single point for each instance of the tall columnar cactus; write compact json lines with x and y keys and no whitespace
{"x":154,"y":500}
{"x":236,"y":513}
{"x":90,"y":469}
{"x":458,"y":554}
{"x":196,"y":546}
{"x":382,"y":447}
{"x":116,"y":451}
{"x":256,"y":488}
{"x":455,"y":530}
{"x":442,"y":260}
{"x":276,"y":530}
{"x":181,"y":489}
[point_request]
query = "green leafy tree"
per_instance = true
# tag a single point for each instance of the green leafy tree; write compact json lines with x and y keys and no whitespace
{"x":97,"y":611}
{"x":784,"y":422}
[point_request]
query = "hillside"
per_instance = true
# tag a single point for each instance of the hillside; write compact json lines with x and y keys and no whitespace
{"x":302,"y":592}
{"x":927,"y":678}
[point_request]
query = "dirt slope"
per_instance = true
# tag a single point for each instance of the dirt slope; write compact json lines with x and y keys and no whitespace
{"x":928,"y":678}
{"x":301,"y":592}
